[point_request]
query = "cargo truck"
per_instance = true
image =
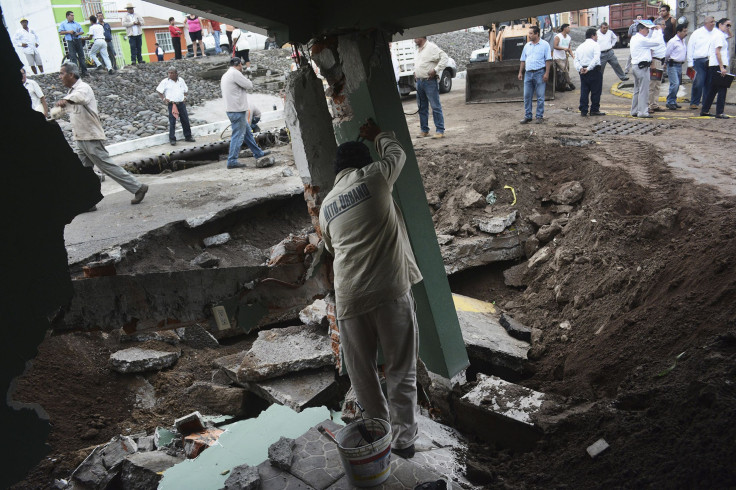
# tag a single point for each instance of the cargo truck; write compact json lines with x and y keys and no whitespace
{"x":622,"y":15}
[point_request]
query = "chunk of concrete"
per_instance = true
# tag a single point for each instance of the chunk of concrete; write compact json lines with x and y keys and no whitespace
{"x":197,"y":442}
{"x":205,"y":260}
{"x":91,"y":473}
{"x":145,"y":443}
{"x":144,"y":470}
{"x":165,"y":336}
{"x":289,"y":251}
{"x":298,"y":390}
{"x":280,"y":351}
{"x":220,"y":377}
{"x":597,"y":448}
{"x":115,"y":451}
{"x":658,"y":223}
{"x":189,"y":423}
{"x":265,"y":162}
{"x":466,"y":253}
{"x":243,"y":477}
{"x":273,"y":478}
{"x":444,"y":239}
{"x":501,"y":412}
{"x":472,"y":199}
{"x":220,"y":399}
{"x":515,"y":276}
{"x":230,"y":365}
{"x":314,"y":314}
{"x":496,"y":224}
{"x":216,"y":240}
{"x":137,"y":360}
{"x":541,"y":256}
{"x":568,"y":193}
{"x":280,"y":453}
{"x":197,"y":337}
{"x":516,"y":329}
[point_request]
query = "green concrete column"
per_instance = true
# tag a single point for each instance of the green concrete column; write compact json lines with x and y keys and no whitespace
{"x":360,"y":72}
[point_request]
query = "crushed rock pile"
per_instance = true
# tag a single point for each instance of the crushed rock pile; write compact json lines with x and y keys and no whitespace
{"x":460,"y":44}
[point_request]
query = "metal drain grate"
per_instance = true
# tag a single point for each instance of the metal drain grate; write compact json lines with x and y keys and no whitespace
{"x":628,"y":127}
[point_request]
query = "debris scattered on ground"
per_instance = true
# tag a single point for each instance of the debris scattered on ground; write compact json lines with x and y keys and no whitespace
{"x":137,"y":360}
{"x":597,"y":448}
{"x":280,"y":453}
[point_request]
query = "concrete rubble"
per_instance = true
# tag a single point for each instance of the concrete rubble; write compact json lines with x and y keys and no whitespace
{"x":496,"y":224}
{"x":515,"y":276}
{"x":568,"y":193}
{"x":243,"y":477}
{"x":469,"y":252}
{"x":189,"y":423}
{"x":515,"y":329}
{"x":314,"y":314}
{"x":197,"y":337}
{"x":281,"y":453}
{"x":217,"y":398}
{"x":205,"y":260}
{"x":137,"y":360}
{"x":597,"y":448}
{"x":216,"y":240}
{"x":298,"y":390}
{"x":144,"y":470}
{"x":103,"y":463}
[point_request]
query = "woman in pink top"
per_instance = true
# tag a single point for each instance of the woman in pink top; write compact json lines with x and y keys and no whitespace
{"x":195,"y":33}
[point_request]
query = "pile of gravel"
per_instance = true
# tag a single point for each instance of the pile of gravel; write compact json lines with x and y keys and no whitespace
{"x":276,"y":60}
{"x":460,"y":44}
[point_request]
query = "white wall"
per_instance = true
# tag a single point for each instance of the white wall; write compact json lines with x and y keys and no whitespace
{"x":41,"y":20}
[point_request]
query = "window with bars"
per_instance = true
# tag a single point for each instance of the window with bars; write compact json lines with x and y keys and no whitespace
{"x":163,"y":38}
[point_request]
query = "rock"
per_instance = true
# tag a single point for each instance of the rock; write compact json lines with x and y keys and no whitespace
{"x":298,"y":390}
{"x":568,"y":193}
{"x":531,"y":245}
{"x":548,"y":232}
{"x":540,"y":220}
{"x":597,"y":448}
{"x":287,"y":172}
{"x":472,"y":199}
{"x":280,"y":453}
{"x":115,"y":451}
{"x":197,"y":337}
{"x":189,"y":423}
{"x":289,"y":251}
{"x":444,"y":239}
{"x":197,"y":442}
{"x":205,"y":260}
{"x":220,"y":377}
{"x":563,"y":257}
{"x":136,"y":360}
{"x":314,"y":314}
{"x":542,"y":256}
{"x":515,"y":329}
{"x":265,"y":162}
{"x":565,"y":325}
{"x":280,"y":351}
{"x":465,"y":253}
{"x":146,"y":443}
{"x":561,"y":208}
{"x":515,"y":276}
{"x":230,"y":365}
{"x":142,"y":471}
{"x":243,"y":477}
{"x":496,"y":224}
{"x":217,"y":398}
{"x":216,"y":240}
{"x":658,"y":223}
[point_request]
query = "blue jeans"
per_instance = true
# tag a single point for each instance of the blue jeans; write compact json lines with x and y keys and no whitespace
{"x":701,"y":82}
{"x":183,"y":117}
{"x":216,"y":35}
{"x":241,"y":131}
{"x":428,"y":93}
{"x":76,"y":54}
{"x":674,"y":72}
{"x":534,"y":85}
{"x":135,"y":48}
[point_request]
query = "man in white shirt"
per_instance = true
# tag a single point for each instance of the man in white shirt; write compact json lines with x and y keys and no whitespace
{"x":632,"y":33}
{"x":99,"y":45}
{"x":428,"y":67}
{"x":641,"y":59}
{"x":588,"y":65}
{"x":607,"y":39}
{"x":718,"y":66}
{"x":658,"y":53}
{"x":234,"y":85}
{"x":132,"y":23}
{"x":697,"y":59}
{"x":28,"y":40}
{"x":173,"y":91}
{"x":38,"y":100}
{"x":676,"y":55}
{"x":87,"y":131}
{"x":560,"y":51}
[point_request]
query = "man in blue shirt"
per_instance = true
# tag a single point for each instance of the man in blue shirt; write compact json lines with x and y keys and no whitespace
{"x":72,"y":32}
{"x":108,"y":39}
{"x":536,"y":60}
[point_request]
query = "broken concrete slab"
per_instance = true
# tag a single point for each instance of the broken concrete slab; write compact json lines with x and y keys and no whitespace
{"x":515,"y":276}
{"x":163,"y":437}
{"x":230,"y":365}
{"x":298,"y":390}
{"x":197,"y":442}
{"x":145,"y":443}
{"x":314,"y":314}
{"x":165,"y":336}
{"x":280,"y":351}
{"x":316,"y":460}
{"x":434,"y":435}
{"x":205,"y":260}
{"x":281,"y":453}
{"x":243,"y":477}
{"x":496,"y":224}
{"x":137,"y":360}
{"x":189,"y":423}
{"x":516,"y":329}
{"x":568,"y":193}
{"x":501,"y":412}
{"x":217,"y":398}
{"x":597,"y":448}
{"x":216,"y":240}
{"x":144,"y":470}
{"x":465,"y":253}
{"x":91,"y":473}
{"x":197,"y":337}
{"x":114,"y":452}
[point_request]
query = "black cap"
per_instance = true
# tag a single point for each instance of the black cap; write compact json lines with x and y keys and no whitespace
{"x":351,"y":155}
{"x":235,"y":61}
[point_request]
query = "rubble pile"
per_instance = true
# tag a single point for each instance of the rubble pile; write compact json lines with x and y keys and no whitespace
{"x":460,"y":44}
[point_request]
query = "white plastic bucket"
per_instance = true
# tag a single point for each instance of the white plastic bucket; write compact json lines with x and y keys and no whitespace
{"x":365,"y":464}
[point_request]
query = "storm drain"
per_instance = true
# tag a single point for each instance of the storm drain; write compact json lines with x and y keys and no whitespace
{"x":628,"y":127}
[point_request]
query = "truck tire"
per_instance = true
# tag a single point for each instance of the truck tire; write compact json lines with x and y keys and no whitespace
{"x":446,"y":81}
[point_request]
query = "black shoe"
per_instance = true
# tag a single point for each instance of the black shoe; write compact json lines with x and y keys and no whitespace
{"x":110,"y":72}
{"x":133,"y":63}
{"x":190,"y":139}
{"x":597,"y":113}
{"x":525,"y":121}
{"x":671,"y":107}
{"x":172,"y":142}
{"x":237,"y":165}
{"x":101,"y":67}
{"x":722,"y":116}
{"x":142,"y":62}
{"x":406,"y":453}
{"x":678,"y":106}
{"x":539,"y":120}
{"x":625,"y":79}
{"x":570,"y":86}
{"x":706,"y":114}
{"x":584,"y":114}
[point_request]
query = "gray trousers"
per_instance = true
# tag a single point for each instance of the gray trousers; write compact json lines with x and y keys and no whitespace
{"x":610,"y":57}
{"x":640,"y":99}
{"x":93,"y":152}
{"x":394,"y":325}
{"x":654,"y":86}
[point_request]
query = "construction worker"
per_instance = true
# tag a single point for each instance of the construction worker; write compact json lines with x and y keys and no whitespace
{"x":27,"y":39}
{"x":374,"y":269}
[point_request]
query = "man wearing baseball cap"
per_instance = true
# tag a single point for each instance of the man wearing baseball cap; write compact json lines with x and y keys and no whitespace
{"x":27,"y":39}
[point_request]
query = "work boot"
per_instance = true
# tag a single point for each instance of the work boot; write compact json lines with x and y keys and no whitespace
{"x":406,"y":453}
{"x":722,"y":116}
{"x":437,"y":136}
{"x":525,"y":121}
{"x":172,"y":142}
{"x":540,"y":120}
{"x":190,"y":139}
{"x":706,"y":114}
{"x":598,"y":113}
{"x":139,"y":194}
{"x":694,"y":107}
{"x":422,"y":135}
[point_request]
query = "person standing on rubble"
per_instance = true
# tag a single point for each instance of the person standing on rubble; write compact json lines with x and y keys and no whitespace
{"x":87,"y":131}
{"x":234,"y":87}
{"x":374,"y":269}
{"x":173,"y":91}
{"x":429,"y":65}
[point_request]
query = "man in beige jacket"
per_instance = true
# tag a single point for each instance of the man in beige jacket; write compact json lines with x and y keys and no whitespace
{"x":132,"y":23}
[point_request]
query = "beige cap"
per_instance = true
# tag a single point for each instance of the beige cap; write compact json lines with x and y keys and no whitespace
{"x":129,"y":6}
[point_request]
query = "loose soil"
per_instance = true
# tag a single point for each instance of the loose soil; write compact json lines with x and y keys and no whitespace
{"x":649,"y":358}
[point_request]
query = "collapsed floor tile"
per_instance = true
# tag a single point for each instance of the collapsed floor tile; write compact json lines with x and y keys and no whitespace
{"x":299,"y":390}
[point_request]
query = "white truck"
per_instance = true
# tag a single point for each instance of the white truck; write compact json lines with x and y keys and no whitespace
{"x":406,"y":52}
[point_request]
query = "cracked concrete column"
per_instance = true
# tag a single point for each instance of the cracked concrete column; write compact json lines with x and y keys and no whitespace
{"x":312,"y":137}
{"x":359,"y":71}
